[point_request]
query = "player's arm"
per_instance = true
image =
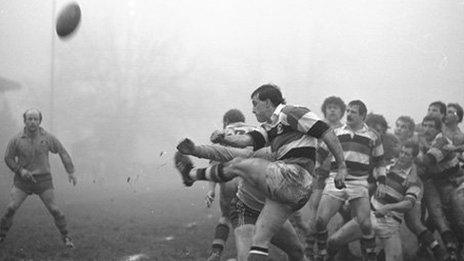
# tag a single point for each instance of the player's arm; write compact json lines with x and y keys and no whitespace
{"x":211,"y":194}
{"x":10,"y":157}
{"x":334,"y":146}
{"x":57,"y":147}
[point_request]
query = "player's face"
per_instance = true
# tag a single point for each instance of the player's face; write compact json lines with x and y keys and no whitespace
{"x":333,"y":113}
{"x":352,"y":115}
{"x":451,"y":115}
{"x":434,"y":111}
{"x":402,"y":129}
{"x":32,"y":121}
{"x":259,"y":109}
{"x":429,"y":129}
{"x":405,"y":157}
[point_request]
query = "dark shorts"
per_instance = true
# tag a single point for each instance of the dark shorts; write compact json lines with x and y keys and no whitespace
{"x":44,"y":182}
{"x":241,"y":214}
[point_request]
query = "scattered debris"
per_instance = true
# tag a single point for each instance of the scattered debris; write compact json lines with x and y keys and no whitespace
{"x":168,"y":238}
{"x":191,"y":225}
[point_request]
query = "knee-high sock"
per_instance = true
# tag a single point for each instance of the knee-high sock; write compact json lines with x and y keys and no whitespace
{"x":220,"y":237}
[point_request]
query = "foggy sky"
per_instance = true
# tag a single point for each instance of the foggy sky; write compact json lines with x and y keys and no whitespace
{"x":152,"y":72}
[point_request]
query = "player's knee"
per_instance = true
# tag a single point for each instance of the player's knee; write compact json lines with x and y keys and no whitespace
{"x":11,"y":210}
{"x":320,"y":223}
{"x":223,"y":220}
{"x":365,"y":225}
{"x":56,"y":213}
{"x":296,"y":253}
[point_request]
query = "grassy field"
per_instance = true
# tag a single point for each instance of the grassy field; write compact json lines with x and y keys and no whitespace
{"x":162,"y":221}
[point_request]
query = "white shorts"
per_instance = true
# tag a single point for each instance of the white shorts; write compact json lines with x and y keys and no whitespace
{"x":386,"y":226}
{"x":288,"y":183}
{"x":354,"y":189}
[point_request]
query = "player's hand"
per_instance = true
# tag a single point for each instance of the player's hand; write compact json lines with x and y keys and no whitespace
{"x":186,"y":146}
{"x":27,"y":175}
{"x":72,"y":179}
{"x":381,"y":211}
{"x":339,"y":179}
{"x":209,"y":199}
{"x":381,"y":190}
{"x":450,"y":147}
{"x":217,"y":136}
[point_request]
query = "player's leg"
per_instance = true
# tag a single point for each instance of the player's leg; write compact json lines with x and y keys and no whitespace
{"x":361,"y":206}
{"x":349,"y":232}
{"x":17,"y":197}
{"x":331,"y":201}
{"x":457,"y":209}
{"x":310,"y":237}
{"x":296,"y":219}
{"x":227,"y":192}
{"x":270,"y":220}
{"x":392,"y":247}
{"x":287,"y":240}
{"x":433,"y":201}
{"x":48,"y":198}
{"x":243,"y":240}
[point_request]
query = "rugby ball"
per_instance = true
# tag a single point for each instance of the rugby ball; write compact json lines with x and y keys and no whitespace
{"x":68,"y":20}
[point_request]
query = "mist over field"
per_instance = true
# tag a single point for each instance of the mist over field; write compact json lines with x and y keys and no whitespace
{"x":139,"y":75}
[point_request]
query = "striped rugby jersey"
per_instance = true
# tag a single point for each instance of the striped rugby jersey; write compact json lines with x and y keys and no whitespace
{"x":362,"y":150}
{"x":292,"y":135}
{"x":447,"y":161}
{"x":400,"y":184}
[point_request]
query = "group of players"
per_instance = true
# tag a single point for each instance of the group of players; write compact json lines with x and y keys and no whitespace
{"x":374,"y":179}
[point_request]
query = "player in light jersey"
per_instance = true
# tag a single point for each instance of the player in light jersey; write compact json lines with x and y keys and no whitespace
{"x":391,"y":199}
{"x":292,"y":133}
{"x":233,"y":123}
{"x":362,"y":148}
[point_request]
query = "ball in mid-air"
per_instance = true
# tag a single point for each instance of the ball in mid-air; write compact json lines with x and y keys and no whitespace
{"x":68,"y":20}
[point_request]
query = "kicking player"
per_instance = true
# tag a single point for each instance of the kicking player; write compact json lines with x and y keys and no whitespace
{"x":391,"y":199}
{"x":248,"y":201}
{"x":27,"y":156}
{"x":362,"y":147}
{"x":291,"y":132}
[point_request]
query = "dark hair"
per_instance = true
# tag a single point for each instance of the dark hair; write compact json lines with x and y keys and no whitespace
{"x":436,"y":120}
{"x":337,"y":101}
{"x":361,"y":107}
{"x":233,"y":116}
{"x":441,"y":106}
{"x":374,"y":119}
{"x":413,"y":145}
{"x":269,"y":91}
{"x":409,"y":121}
{"x":458,"y":108}
{"x":32,"y":109}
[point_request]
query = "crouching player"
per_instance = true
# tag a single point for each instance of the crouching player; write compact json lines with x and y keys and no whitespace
{"x":395,"y":195}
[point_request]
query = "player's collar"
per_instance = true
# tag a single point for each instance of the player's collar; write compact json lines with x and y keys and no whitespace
{"x":278,"y":109}
{"x":24,"y":133}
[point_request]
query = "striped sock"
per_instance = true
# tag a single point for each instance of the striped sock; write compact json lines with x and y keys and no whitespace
{"x":214,"y":173}
{"x":321,"y":240}
{"x":258,"y":254}
{"x":368,"y":247}
{"x":221,"y":234}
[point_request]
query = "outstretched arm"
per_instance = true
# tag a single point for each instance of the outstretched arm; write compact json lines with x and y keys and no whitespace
{"x":336,"y":149}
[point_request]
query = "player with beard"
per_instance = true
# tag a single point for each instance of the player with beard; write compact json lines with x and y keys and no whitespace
{"x":292,"y":133}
